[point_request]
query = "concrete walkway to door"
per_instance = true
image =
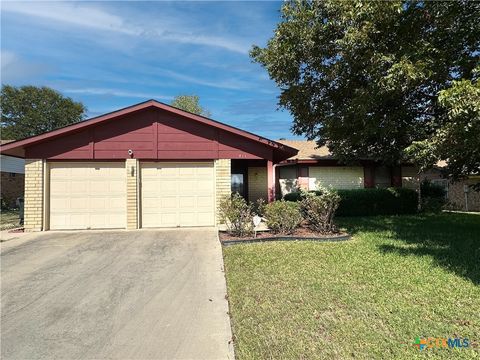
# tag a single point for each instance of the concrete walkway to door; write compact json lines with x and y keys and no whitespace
{"x":145,"y":294}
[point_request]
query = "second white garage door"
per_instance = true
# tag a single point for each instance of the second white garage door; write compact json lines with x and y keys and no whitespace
{"x":177,"y":194}
{"x":87,"y":195}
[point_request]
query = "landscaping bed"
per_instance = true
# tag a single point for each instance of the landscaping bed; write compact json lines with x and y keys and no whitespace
{"x":301,"y":233}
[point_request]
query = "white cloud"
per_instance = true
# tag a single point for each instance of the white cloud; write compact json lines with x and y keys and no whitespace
{"x":119,"y":93}
{"x":94,"y":18}
{"x":231,"y":84}
{"x":14,"y":68}
{"x":69,"y":13}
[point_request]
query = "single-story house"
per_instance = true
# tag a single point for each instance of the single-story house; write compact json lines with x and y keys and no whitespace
{"x":315,"y":166}
{"x":12,"y":179}
{"x":147,"y":165}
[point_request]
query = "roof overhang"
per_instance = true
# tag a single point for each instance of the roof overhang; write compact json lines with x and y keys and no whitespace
{"x":17,"y":148}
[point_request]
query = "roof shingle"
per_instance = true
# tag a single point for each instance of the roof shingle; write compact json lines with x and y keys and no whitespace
{"x":307,"y":150}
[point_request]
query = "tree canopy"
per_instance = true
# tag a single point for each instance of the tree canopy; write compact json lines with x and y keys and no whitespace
{"x":190,"y":103}
{"x":369,"y":79}
{"x":30,"y":110}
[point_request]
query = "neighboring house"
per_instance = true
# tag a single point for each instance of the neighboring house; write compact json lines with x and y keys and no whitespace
{"x":12,"y":181}
{"x":315,"y":166}
{"x":459,"y":194}
{"x":148,"y":165}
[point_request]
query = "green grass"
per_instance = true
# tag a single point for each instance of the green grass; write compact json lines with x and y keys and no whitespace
{"x":398,"y":278}
{"x":9,"y":219}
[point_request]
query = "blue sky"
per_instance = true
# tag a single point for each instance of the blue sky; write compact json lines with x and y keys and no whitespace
{"x":114,"y":54}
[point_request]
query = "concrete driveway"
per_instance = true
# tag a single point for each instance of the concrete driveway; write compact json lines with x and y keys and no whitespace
{"x":114,"y":294}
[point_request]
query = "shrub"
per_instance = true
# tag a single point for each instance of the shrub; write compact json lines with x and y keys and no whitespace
{"x":433,"y":197}
{"x":299,"y":195}
{"x":366,"y":202}
{"x":293,"y":196}
{"x":283,"y":216}
{"x":319,"y":208}
{"x":258,"y":207}
{"x":237,"y":215}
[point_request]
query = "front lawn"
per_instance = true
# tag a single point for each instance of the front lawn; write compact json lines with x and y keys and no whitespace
{"x":399,"y":278}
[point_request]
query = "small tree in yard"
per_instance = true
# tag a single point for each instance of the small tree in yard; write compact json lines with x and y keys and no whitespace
{"x":319,"y":210}
{"x":190,"y":103}
{"x":283,"y":216}
{"x":237,"y":215}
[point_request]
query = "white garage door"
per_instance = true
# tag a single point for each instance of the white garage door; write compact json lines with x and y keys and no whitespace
{"x":177,"y":194}
{"x":87,"y":195}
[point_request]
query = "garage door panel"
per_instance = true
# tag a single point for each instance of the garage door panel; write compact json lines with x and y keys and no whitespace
{"x":60,"y":188}
{"x":168,"y":171}
{"x":182,"y":194}
{"x":187,"y":186}
{"x":186,"y":202}
{"x":168,"y":219}
{"x":168,"y":186}
{"x":148,"y":186}
{"x":204,"y":201}
{"x":116,"y":203}
{"x":76,"y":204}
{"x":76,"y":221}
{"x":87,"y":195}
{"x":205,"y":219}
{"x":204,"y":186}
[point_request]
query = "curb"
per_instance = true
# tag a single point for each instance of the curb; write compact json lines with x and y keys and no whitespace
{"x":287,"y":238}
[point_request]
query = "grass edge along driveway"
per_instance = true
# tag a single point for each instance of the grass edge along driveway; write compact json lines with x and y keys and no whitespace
{"x":401,"y":277}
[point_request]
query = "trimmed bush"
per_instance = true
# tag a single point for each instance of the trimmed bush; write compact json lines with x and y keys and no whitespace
{"x":366,"y":202}
{"x":293,"y":196}
{"x":318,"y":210}
{"x":283,"y":216}
{"x":433,"y":196}
{"x":237,"y":215}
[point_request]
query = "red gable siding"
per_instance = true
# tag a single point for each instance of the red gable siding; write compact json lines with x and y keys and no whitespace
{"x":151,"y":134}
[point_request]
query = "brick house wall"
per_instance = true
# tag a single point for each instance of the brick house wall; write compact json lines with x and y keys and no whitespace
{"x":338,"y":177}
{"x":13,"y":187}
{"x":33,"y":195}
{"x":222,"y":182}
{"x":257,"y":183}
{"x":456,"y":196}
{"x":459,"y":200}
{"x":131,"y":167}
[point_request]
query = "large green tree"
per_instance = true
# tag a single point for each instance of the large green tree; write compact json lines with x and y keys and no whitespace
{"x":190,"y":103}
{"x":457,"y":138}
{"x":31,"y":110}
{"x":364,"y":77}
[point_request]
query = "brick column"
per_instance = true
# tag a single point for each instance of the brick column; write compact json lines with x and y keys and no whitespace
{"x":270,"y":181}
{"x":397,"y":176}
{"x":368,"y":176}
{"x":33,"y":220}
{"x":131,"y":166}
{"x":223,"y":186}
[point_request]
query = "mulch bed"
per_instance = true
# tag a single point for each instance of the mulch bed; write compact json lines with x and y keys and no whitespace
{"x":299,"y":234}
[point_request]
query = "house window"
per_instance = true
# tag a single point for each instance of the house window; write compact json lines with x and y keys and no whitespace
{"x":238,"y":184}
{"x":443,"y":183}
{"x":12,"y":175}
{"x":303,"y":171}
